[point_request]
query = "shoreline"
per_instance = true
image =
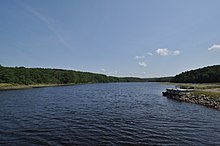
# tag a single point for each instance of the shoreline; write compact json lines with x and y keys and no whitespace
{"x":207,"y":94}
{"x":207,"y":101}
{"x":8,"y":86}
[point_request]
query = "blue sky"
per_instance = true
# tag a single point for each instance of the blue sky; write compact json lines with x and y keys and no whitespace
{"x":143,"y":38}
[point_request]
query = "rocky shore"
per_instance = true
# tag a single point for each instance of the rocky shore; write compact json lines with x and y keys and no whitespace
{"x":192,"y":98}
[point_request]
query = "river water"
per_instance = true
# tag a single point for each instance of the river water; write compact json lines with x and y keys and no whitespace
{"x":104,"y":114}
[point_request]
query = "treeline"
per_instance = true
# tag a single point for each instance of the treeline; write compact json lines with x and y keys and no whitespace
{"x":131,"y":79}
{"x":161,"y":79}
{"x":30,"y":76}
{"x":210,"y":74}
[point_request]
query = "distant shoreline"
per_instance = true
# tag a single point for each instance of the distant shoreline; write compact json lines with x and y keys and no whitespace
{"x":8,"y":86}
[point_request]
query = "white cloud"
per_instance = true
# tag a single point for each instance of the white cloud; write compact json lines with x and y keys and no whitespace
{"x":166,"y":52}
{"x":113,"y":73}
{"x":163,"y":51}
{"x":142,"y":64}
{"x":214,"y":48}
{"x":139,"y":57}
{"x":150,"y":54}
{"x":177,"y":52}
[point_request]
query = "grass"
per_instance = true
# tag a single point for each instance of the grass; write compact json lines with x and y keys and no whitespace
{"x":8,"y":86}
{"x":5,"y":84}
{"x":215,"y":95}
{"x":197,"y":86}
{"x":203,"y":86}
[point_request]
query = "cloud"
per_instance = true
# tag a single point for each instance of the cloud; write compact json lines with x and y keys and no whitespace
{"x":163,"y":52}
{"x":142,"y":64}
{"x":44,"y":20}
{"x":177,"y":52}
{"x":113,"y":73}
{"x":139,"y":57}
{"x":150,"y":54}
{"x":166,"y":52}
{"x":214,"y":48}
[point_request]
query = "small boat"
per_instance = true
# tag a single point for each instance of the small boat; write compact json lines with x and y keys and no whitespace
{"x":177,"y":91}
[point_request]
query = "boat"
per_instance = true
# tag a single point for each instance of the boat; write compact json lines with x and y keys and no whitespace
{"x":176,"y":91}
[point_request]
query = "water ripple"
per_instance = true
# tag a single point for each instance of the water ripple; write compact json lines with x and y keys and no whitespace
{"x":104,"y":114}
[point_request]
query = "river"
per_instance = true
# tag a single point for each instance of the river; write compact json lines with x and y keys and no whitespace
{"x":104,"y":114}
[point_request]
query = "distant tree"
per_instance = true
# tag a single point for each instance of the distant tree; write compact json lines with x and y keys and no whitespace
{"x":210,"y":74}
{"x":22,"y":75}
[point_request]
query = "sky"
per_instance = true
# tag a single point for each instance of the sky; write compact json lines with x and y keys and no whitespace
{"x":140,"y":38}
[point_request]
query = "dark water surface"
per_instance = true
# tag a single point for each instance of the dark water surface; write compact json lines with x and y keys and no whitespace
{"x":104,"y":114}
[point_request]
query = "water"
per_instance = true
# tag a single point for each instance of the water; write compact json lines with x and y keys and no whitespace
{"x":104,"y":114}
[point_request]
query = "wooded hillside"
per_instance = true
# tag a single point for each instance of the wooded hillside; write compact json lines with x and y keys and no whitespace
{"x":28,"y":76}
{"x":210,"y":74}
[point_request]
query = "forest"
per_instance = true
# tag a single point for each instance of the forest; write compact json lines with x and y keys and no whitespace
{"x":31,"y":76}
{"x":160,"y":79}
{"x":209,"y":74}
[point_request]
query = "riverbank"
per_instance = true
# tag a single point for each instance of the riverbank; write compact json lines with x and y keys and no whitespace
{"x":203,"y":94}
{"x":8,"y":86}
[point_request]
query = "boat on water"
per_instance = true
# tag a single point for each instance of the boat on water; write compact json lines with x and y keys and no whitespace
{"x":176,"y":91}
